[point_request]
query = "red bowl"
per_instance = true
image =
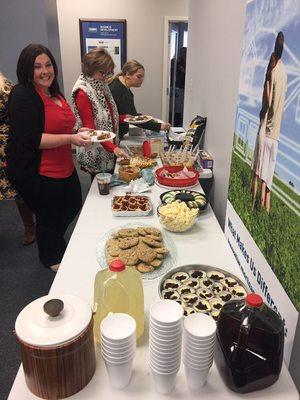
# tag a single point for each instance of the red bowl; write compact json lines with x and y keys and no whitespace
{"x":183,"y":182}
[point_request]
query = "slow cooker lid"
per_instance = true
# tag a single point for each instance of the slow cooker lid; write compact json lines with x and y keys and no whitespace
{"x":34,"y":326}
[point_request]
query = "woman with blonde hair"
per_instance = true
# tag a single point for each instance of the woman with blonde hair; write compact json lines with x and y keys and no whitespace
{"x":6,"y":190}
{"x":95,"y":108}
{"x":132,"y":75}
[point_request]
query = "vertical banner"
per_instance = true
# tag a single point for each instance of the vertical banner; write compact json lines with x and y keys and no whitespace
{"x":262,"y":220}
{"x":109,"y":34}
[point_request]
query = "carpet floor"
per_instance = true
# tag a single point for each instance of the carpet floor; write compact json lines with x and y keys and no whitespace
{"x":22,"y":280}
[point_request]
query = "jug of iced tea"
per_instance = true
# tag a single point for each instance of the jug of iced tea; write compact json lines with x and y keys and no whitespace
{"x":249,"y":345}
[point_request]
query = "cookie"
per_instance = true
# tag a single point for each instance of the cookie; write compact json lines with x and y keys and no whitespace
{"x":129,"y":256}
{"x":141,"y":231}
{"x":113,"y":250}
{"x":156,"y":263}
{"x":127,"y":242}
{"x":145,"y":253}
{"x":151,"y":242}
{"x":144,"y":268}
{"x":162,"y":250}
{"x":152,"y":231}
{"x":113,"y":242}
{"x":157,"y":238}
{"x":127,"y":232}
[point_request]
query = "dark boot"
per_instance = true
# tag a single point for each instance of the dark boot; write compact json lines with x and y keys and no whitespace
{"x":28,"y":221}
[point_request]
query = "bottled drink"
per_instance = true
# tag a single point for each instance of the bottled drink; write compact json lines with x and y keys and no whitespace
{"x":249,"y":346}
{"x":118,"y":289}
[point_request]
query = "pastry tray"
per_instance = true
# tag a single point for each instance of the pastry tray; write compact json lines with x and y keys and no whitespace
{"x":131,"y":213}
{"x":206,"y":269}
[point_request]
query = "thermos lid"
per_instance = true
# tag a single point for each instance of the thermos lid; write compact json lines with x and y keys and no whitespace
{"x":117,"y":265}
{"x":254,"y":300}
{"x":52,"y":320}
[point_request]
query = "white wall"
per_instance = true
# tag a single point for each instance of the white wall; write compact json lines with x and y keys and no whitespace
{"x":145,"y":24}
{"x":215,"y":42}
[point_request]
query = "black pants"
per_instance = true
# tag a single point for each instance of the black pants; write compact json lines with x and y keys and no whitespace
{"x":55,"y":203}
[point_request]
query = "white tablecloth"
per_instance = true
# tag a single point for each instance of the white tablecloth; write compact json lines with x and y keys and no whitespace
{"x":205,"y":243}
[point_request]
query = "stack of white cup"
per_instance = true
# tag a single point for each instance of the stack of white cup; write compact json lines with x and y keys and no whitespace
{"x":198,"y":348}
{"x":118,"y":344}
{"x":165,"y":343}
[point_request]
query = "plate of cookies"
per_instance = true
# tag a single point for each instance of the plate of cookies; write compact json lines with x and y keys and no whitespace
{"x":143,"y":247}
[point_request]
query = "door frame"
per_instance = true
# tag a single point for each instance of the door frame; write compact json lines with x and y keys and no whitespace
{"x":165,"y":97}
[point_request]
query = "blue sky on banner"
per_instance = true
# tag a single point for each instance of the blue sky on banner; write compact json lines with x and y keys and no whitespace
{"x":265,"y":18}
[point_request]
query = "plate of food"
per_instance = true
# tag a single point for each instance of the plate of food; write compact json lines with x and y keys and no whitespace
{"x":176,"y":176}
{"x":192,"y":198}
{"x":131,"y":205}
{"x":149,"y":250}
{"x":138,"y":119}
{"x":201,"y":288}
{"x":98,"y":136}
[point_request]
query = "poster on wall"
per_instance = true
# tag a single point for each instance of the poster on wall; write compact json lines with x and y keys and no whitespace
{"x":263,"y":211}
{"x":109,"y":34}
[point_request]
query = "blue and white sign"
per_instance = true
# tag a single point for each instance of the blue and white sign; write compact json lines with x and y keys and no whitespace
{"x":110,"y":35}
{"x":263,"y":212}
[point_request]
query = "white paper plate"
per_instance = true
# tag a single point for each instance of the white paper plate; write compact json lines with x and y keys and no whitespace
{"x":95,"y":140}
{"x":132,"y":121}
{"x":168,"y":262}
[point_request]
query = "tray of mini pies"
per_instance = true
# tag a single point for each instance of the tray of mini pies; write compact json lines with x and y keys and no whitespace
{"x":130,"y":205}
{"x":201,"y":288}
{"x":143,"y":247}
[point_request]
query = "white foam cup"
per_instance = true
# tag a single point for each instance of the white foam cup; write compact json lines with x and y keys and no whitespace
{"x":165,"y":369}
{"x":165,"y":328}
{"x":200,"y":325}
{"x":197,"y":365}
{"x":169,"y":332}
{"x":164,"y":354}
{"x":165,"y":340}
{"x":119,"y":374}
{"x":198,"y":354}
{"x":163,"y":383}
{"x":118,"y":327}
{"x":196,"y":378}
{"x":117,"y":358}
{"x":166,"y":312}
{"x":123,"y":344}
{"x":118,"y":350}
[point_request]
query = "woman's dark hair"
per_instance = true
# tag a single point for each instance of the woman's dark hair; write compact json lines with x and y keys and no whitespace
{"x":25,"y":66}
{"x":279,"y":45}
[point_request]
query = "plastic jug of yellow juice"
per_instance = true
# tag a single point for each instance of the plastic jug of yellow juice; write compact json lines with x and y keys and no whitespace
{"x":118,"y":289}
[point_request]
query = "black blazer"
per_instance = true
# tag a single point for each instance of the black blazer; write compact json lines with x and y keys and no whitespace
{"x":124,"y":100}
{"x":26,"y":114}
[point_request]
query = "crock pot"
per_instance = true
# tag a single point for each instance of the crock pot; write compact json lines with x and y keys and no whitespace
{"x":57,"y":346}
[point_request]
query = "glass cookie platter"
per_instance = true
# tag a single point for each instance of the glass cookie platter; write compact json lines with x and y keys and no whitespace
{"x":201,"y":288}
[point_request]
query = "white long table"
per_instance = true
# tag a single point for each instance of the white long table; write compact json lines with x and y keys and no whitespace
{"x":205,"y":243}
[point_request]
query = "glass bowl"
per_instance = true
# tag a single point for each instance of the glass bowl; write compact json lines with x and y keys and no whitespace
{"x":177,"y":218}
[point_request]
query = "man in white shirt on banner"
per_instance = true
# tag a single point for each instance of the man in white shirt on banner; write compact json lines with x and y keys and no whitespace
{"x":275,"y":113}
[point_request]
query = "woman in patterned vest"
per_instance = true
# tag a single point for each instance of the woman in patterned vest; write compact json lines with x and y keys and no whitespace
{"x":95,"y":108}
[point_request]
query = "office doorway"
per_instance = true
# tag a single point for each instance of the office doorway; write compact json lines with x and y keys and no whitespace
{"x":175,"y":46}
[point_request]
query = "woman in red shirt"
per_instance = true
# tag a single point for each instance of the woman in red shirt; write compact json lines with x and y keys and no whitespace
{"x":39,"y":154}
{"x":95,"y":108}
